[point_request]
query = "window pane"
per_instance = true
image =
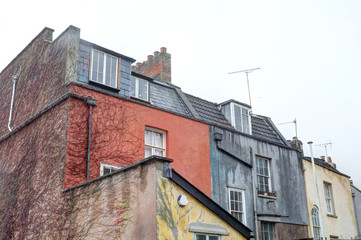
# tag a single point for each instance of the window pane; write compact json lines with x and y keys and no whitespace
{"x":106,"y":170}
{"x":158,"y":152}
{"x":132,"y":86}
{"x":238,"y":118}
{"x":158,"y":139}
{"x":201,"y":237}
{"x":148,"y":151}
{"x":148,"y":137}
{"x":213,"y":238}
{"x":95,"y":66}
{"x":245,"y":124}
{"x":101,"y":67}
{"x":143,"y":89}
{"x":107,"y":70}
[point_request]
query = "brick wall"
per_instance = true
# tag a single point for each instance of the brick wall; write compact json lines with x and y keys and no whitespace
{"x":45,"y":68}
{"x":31,"y":177}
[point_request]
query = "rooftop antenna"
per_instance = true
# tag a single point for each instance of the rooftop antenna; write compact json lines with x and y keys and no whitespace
{"x":325,"y":146}
{"x":294,"y":121}
{"x":247,"y":71}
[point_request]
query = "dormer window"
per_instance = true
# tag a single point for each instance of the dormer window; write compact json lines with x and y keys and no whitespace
{"x":240,"y":116}
{"x":104,"y":69}
{"x":139,"y":88}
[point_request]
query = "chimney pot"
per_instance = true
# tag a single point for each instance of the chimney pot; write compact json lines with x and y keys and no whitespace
{"x":163,"y":49}
{"x":156,"y":53}
{"x":351,"y":182}
{"x":323,"y":158}
{"x":150,"y":57}
{"x":138,"y":64}
{"x":294,"y":138}
{"x":329,"y":160}
{"x":133,"y":67}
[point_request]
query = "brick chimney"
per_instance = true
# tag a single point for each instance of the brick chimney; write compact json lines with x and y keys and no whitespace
{"x":297,"y":144}
{"x":157,"y":66}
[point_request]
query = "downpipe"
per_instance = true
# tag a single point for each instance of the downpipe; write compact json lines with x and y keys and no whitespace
{"x":90,"y":102}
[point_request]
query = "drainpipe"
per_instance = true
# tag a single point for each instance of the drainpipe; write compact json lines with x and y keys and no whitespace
{"x":90,"y":102}
{"x":254,"y":195}
{"x":318,"y":195}
{"x":355,"y":210}
{"x":15,"y":79}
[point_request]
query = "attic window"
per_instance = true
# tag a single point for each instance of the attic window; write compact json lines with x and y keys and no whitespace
{"x":104,"y":69}
{"x":139,"y":88}
{"x":240,"y":116}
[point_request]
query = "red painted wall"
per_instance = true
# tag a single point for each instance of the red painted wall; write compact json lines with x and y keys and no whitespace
{"x":118,"y":128}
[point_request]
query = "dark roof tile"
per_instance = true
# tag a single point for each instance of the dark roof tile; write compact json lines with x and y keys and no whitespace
{"x":262,"y":128}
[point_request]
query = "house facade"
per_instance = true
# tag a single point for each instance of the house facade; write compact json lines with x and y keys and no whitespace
{"x":256,"y":174}
{"x":75,"y":112}
{"x":330,"y":211}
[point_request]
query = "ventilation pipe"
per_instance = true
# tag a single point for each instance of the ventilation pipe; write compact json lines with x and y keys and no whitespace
{"x":15,"y":79}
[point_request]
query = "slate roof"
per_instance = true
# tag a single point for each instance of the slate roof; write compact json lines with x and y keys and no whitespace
{"x":168,"y":99}
{"x":262,"y":127}
{"x":324,"y":164}
{"x":209,"y":112}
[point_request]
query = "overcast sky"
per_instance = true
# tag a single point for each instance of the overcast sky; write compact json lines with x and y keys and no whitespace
{"x":309,"y":53}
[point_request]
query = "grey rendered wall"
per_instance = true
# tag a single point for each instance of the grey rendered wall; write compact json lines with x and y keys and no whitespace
{"x":227,"y":171}
{"x":286,"y":172}
{"x":356,"y":197}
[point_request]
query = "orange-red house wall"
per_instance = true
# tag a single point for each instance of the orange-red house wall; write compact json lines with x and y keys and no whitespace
{"x":117,"y":137}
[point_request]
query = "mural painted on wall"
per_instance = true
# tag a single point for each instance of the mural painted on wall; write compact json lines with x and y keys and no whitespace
{"x":173,"y":221}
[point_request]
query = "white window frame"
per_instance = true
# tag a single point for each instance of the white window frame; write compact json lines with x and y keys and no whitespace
{"x":265,"y":176}
{"x":136,"y":90}
{"x":112,"y":167}
{"x":104,"y":69}
{"x":164,"y":148}
{"x":243,"y":212}
{"x":316,"y":227}
{"x":207,"y":236}
{"x":263,"y":232}
{"x":327,"y":188}
{"x":233,"y":117}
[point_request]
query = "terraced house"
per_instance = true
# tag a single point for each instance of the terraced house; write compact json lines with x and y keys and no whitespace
{"x":76,"y":120}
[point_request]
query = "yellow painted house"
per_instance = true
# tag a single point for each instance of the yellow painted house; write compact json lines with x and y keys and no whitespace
{"x":331,"y":215}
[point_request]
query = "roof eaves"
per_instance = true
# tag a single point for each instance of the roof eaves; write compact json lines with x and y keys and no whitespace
{"x":93,"y":45}
{"x":319,"y":162}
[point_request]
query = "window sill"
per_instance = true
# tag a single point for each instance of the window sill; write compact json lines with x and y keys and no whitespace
{"x":103,"y":86}
{"x":271,"y":195}
{"x":331,"y":215}
{"x":139,"y":99}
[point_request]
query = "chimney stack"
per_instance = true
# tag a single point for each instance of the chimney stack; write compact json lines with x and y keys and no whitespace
{"x":329,"y":160}
{"x":323,"y":158}
{"x":157,"y":67}
{"x":297,"y":144}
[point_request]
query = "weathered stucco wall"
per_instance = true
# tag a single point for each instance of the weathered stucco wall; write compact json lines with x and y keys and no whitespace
{"x":31,"y":176}
{"x":343,"y":223}
{"x":44,"y":67}
{"x":117,"y":206}
{"x":289,"y":206}
{"x":173,"y":221}
{"x":118,"y":129}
